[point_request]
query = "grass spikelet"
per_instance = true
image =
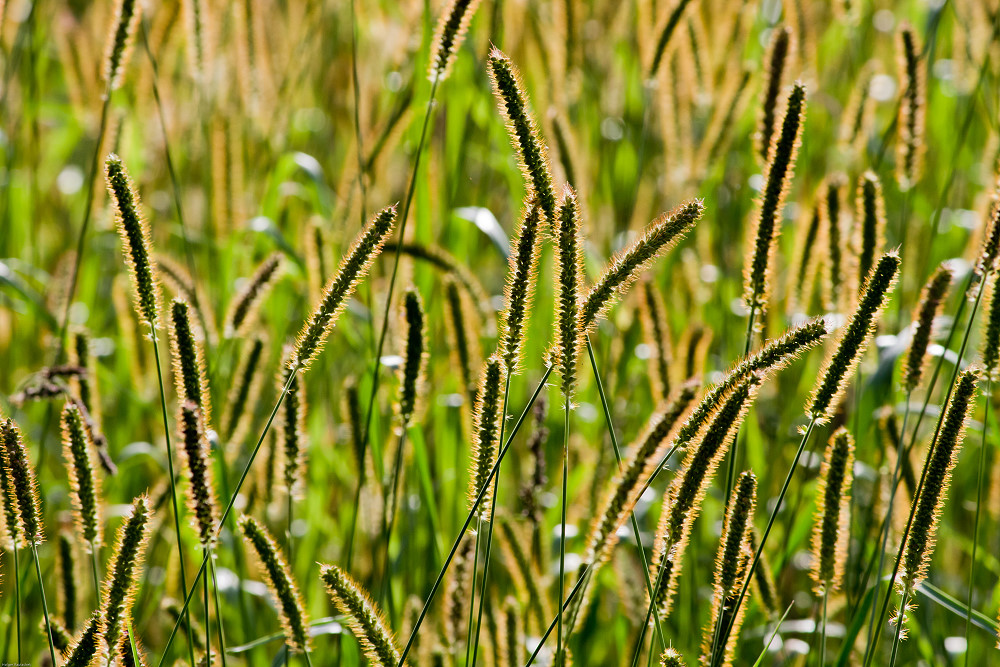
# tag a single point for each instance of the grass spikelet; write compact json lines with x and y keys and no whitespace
{"x":871,"y":220}
{"x":129,"y":650}
{"x":682,"y":500}
{"x":523,"y":130}
{"x":201,"y":489}
{"x":656,"y":333}
{"x":486,"y":427}
{"x":246,"y":303}
{"x":806,"y":264}
{"x":21,"y":484}
{"x":61,"y":638}
{"x":987,"y":260}
{"x":673,"y":19}
{"x":122,"y":579}
{"x":363,"y":617}
{"x":627,"y":265}
{"x":833,"y":498}
{"x":671,"y":658}
{"x":646,"y":452}
{"x":85,"y":487}
{"x":910,"y":147}
{"x":244,"y":392}
{"x":779,"y":175}
{"x":451,"y":28}
{"x":11,"y":526}
{"x":931,"y":301}
{"x":176,"y":279}
{"x":292,"y":434}
{"x":834,"y":377}
{"x":87,"y":650}
{"x":763,"y":580}
{"x":189,"y":361}
{"x":777,"y":57}
{"x":940,"y":461}
{"x":569,"y":287}
{"x":830,"y":211}
{"x":991,"y":336}
{"x":127,"y":16}
{"x":351,"y":413}
{"x":280,"y":582}
{"x":519,"y":289}
{"x":415,"y":359}
{"x":465,"y":341}
{"x":134,"y":231}
{"x":67,"y":582}
{"x":353,"y":268}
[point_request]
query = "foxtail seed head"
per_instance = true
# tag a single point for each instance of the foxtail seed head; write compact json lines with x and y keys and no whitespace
{"x":352,"y":269}
{"x":85,"y":487}
{"x":363,"y":617}
{"x":739,"y":519}
{"x":931,"y":302}
{"x":519,"y":290}
{"x":451,"y":28}
{"x":189,"y":361}
{"x":987,"y":261}
{"x":941,"y":459}
{"x":569,"y":286}
{"x":523,"y":130}
{"x":127,"y":16}
{"x":129,"y":650}
{"x":656,"y":333}
{"x":123,"y":575}
{"x":280,"y":582}
{"x":244,"y":392}
{"x":351,"y":413}
{"x":293,"y":435}
{"x":854,"y":341}
{"x":201,"y":490}
{"x":486,"y":427}
{"x":833,"y":497}
{"x":671,"y":658}
{"x":246,"y":303}
{"x":669,"y":28}
{"x":991,"y":337}
{"x":871,"y":216}
{"x":779,"y":176}
{"x":415,"y":360}
{"x":11,"y":524}
{"x":87,"y":650}
{"x":627,"y":265}
{"x":910,"y":147}
{"x":21,"y":484}
{"x":777,"y":57}
{"x":464,"y":337}
{"x":134,"y":231}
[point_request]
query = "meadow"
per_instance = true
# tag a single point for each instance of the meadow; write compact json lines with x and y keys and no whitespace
{"x":499,"y":332}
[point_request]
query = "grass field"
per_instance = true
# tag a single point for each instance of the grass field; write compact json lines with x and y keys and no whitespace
{"x":362,"y":332}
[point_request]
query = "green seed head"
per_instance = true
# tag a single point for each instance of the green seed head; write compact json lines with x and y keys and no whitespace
{"x":656,"y":333}
{"x":776,"y":58}
{"x":486,"y":428}
{"x":931,"y":302}
{"x":464,"y":336}
{"x":671,"y":658}
{"x":87,"y":651}
{"x":569,"y":286}
{"x":991,"y":336}
{"x":910,"y":147}
{"x":739,"y":519}
{"x":244,"y":392}
{"x":363,"y":617}
{"x":833,"y":497}
{"x":127,"y":16}
{"x":122,"y":578}
{"x":522,"y":274}
{"x":451,"y":29}
{"x":22,"y":487}
{"x":189,"y":363}
{"x":245,"y":304}
{"x":85,"y":487}
{"x":195,"y":455}
{"x":415,"y":360}
{"x":870,"y":234}
{"x":293,"y":434}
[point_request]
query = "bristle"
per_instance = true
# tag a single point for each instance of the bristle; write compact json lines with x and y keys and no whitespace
{"x":127,"y":17}
{"x":870,"y":234}
{"x":486,"y":429}
{"x":415,"y":360}
{"x":627,"y":265}
{"x":363,"y":617}
{"x":837,"y":370}
{"x":122,"y":579}
{"x":21,"y":484}
{"x":682,"y":500}
{"x":778,"y":50}
{"x":245,"y":304}
{"x":189,"y":360}
{"x":87,"y":650}
{"x":352,"y":269}
{"x":937,"y":477}
{"x":832,"y":529}
{"x":910,"y":122}
{"x":244,"y":392}
{"x":280,"y":582}
{"x":931,"y":302}
{"x":656,"y":334}
{"x":451,"y":28}
{"x":569,"y":286}
{"x":129,"y":650}
{"x":830,"y":211}
{"x":134,"y":231}
{"x":532,"y":154}
{"x":201,"y":489}
{"x":519,"y":289}
{"x":779,"y":176}
{"x":671,"y":658}
{"x":85,"y":486}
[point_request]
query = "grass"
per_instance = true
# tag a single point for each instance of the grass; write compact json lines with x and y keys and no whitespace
{"x":308,"y":119}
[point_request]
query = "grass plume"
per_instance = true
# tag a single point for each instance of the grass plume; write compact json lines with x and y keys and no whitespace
{"x":363,"y":617}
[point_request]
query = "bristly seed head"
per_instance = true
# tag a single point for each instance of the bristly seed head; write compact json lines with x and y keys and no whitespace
{"x":991,"y":336}
{"x":87,"y":651}
{"x":246,"y":303}
{"x":519,"y":290}
{"x":127,"y":16}
{"x":910,"y":147}
{"x":451,"y":29}
{"x":415,"y":360}
{"x":833,"y":497}
{"x":486,"y":429}
{"x":569,"y":286}
{"x":123,"y":574}
{"x":22,"y":487}
{"x":85,"y":487}
{"x":777,"y":57}
{"x":189,"y":362}
{"x":293,"y":434}
{"x":201,"y":490}
{"x":244,"y":392}
{"x":134,"y":231}
{"x":931,"y":301}
{"x":363,"y":617}
{"x":871,"y":220}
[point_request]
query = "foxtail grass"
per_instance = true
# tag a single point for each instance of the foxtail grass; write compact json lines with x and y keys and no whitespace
{"x":519,"y":289}
{"x":363,"y":617}
{"x":85,"y":486}
{"x":870,"y":234}
{"x":88,"y":649}
{"x":244,"y":392}
{"x":777,"y":57}
{"x":931,"y":301}
{"x":449,"y":35}
{"x":127,"y":16}
{"x":464,"y":338}
{"x":189,"y":361}
{"x":665,"y":34}
{"x":833,"y":283}
{"x":245,"y":304}
{"x":201,"y":488}
{"x":67,"y":598}
{"x":123,"y":574}
{"x":910,"y":119}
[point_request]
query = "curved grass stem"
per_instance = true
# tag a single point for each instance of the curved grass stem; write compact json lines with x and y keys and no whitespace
{"x":45,"y":604}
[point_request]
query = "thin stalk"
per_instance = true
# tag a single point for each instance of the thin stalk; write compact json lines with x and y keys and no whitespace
{"x":489,"y":530}
{"x":385,"y":319}
{"x":17,"y":598}
{"x":822,"y":641}
{"x":173,"y":489}
{"x":472,"y":593}
{"x":208,"y":615}
{"x":562,"y":525}
{"x":979,"y":502}
{"x":618,"y":457}
{"x":229,"y":508}
{"x":468,"y":519}
{"x":899,"y":626}
{"x":218,"y":610}
{"x":45,"y":605}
